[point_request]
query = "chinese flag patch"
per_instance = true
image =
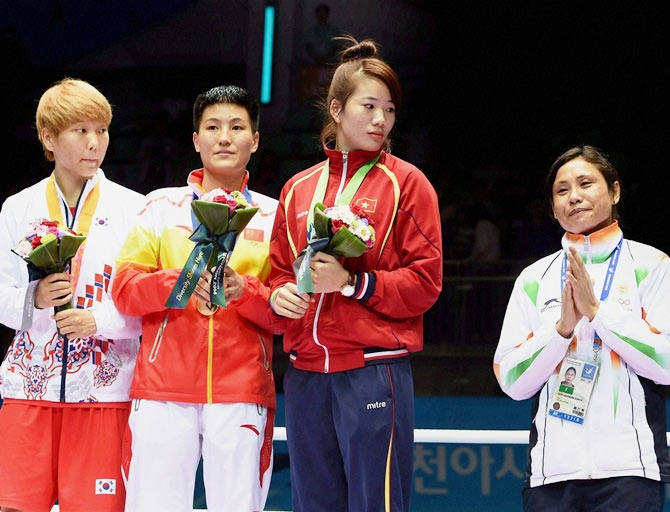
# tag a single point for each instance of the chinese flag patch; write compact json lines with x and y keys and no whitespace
{"x":255,"y":235}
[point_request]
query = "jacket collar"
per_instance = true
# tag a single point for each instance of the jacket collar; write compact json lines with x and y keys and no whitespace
{"x":194,"y":181}
{"x":355,"y":159}
{"x":596,"y":247}
{"x":88,"y":185}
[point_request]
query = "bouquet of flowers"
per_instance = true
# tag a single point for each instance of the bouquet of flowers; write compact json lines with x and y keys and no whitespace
{"x":222,"y":216}
{"x":344,"y":231}
{"x":47,"y":249}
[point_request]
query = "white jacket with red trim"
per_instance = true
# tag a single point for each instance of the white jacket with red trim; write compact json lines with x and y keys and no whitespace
{"x":99,"y":368}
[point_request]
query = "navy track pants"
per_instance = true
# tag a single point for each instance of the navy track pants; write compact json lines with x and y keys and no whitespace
{"x":351,"y":438}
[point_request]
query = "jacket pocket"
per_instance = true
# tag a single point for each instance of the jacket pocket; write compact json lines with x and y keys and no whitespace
{"x":264,"y":350}
{"x":158,"y":340}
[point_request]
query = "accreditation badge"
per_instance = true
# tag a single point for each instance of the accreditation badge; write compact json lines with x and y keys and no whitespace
{"x":576,"y":379}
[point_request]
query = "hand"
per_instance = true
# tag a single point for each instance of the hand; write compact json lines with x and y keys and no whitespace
{"x":76,"y":323}
{"x":289,"y":303}
{"x":233,"y":284}
{"x":53,"y":290}
{"x":201,"y":291}
{"x":328,"y":275}
{"x":582,"y":286}
{"x":569,"y":314}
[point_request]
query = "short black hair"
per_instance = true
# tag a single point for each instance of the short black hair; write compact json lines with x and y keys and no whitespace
{"x":226,"y":94}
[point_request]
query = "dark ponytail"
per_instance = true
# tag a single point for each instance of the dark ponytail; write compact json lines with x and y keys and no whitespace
{"x":359,"y":59}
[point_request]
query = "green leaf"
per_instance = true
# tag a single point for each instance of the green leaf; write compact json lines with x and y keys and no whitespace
{"x":323,"y":225}
{"x":241,"y":218}
{"x":45,"y":256}
{"x":346,"y":244}
{"x":213,"y":215}
{"x":69,"y":244}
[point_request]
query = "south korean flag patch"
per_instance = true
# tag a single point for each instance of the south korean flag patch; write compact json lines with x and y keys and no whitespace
{"x":105,"y":486}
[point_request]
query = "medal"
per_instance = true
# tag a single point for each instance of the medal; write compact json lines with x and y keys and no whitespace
{"x":206,"y":308}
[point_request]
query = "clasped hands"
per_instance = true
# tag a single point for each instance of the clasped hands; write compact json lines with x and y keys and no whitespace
{"x":233,"y":285}
{"x":578,"y":298}
{"x":328,"y":275}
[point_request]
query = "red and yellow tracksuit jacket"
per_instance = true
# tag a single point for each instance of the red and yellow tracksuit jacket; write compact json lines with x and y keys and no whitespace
{"x":397,"y":280}
{"x":185,"y":356}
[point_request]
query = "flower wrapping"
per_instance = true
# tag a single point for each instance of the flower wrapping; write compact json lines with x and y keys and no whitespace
{"x":343,"y":231}
{"x":222,"y":216}
{"x":47,"y":249}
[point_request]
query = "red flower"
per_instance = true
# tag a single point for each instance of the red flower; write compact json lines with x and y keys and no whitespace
{"x":35,"y":242}
{"x":49,"y":223}
{"x":337,"y":224}
{"x":221,"y":199}
{"x":358,"y":211}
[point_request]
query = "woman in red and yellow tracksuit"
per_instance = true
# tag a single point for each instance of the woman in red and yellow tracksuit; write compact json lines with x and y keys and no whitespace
{"x":203,"y":381}
{"x":349,"y":393}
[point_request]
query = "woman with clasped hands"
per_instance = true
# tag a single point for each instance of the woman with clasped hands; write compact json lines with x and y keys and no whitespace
{"x":612,"y":319}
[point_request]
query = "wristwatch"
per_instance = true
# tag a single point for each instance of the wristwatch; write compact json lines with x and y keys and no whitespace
{"x":348,"y":288}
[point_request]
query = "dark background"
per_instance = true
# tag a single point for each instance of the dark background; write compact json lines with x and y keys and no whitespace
{"x":494,"y":92}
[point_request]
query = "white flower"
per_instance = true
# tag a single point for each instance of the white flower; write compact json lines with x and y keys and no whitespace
{"x":24,"y":248}
{"x":348,"y":217}
{"x":363,"y":233}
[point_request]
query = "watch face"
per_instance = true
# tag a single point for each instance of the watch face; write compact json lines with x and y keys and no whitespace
{"x":347,"y":290}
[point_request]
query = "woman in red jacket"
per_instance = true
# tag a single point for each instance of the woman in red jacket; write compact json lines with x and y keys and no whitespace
{"x":349,"y":392}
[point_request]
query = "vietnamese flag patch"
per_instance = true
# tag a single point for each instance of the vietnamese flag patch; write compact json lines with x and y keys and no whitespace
{"x":366,"y":204}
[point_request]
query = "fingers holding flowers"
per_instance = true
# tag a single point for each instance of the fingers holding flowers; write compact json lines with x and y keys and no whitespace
{"x":76,"y":323}
{"x":201,"y":291}
{"x":289,"y":303}
{"x":53,"y":290}
{"x":328,"y":275}
{"x":233,"y":284}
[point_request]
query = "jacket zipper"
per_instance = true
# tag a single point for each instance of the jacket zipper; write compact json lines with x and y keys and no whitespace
{"x":345,"y":164}
{"x":64,"y":339}
{"x":326,"y":364}
{"x":591,"y":463}
{"x":210,"y":357}
{"x":315,"y":336}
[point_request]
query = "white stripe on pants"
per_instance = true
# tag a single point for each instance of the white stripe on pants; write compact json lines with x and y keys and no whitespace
{"x":168,"y":439}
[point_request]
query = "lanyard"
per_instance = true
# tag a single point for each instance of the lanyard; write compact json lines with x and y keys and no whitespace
{"x":83,"y":216}
{"x":609,"y":276}
{"x":347,"y":194}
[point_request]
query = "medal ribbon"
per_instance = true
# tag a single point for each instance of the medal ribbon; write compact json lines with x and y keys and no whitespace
{"x":347,"y":194}
{"x":314,"y":245}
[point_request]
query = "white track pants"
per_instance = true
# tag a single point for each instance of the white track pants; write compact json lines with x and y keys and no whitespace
{"x":167,"y":441}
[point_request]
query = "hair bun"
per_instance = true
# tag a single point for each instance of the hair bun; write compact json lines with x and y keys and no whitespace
{"x":364,"y":50}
